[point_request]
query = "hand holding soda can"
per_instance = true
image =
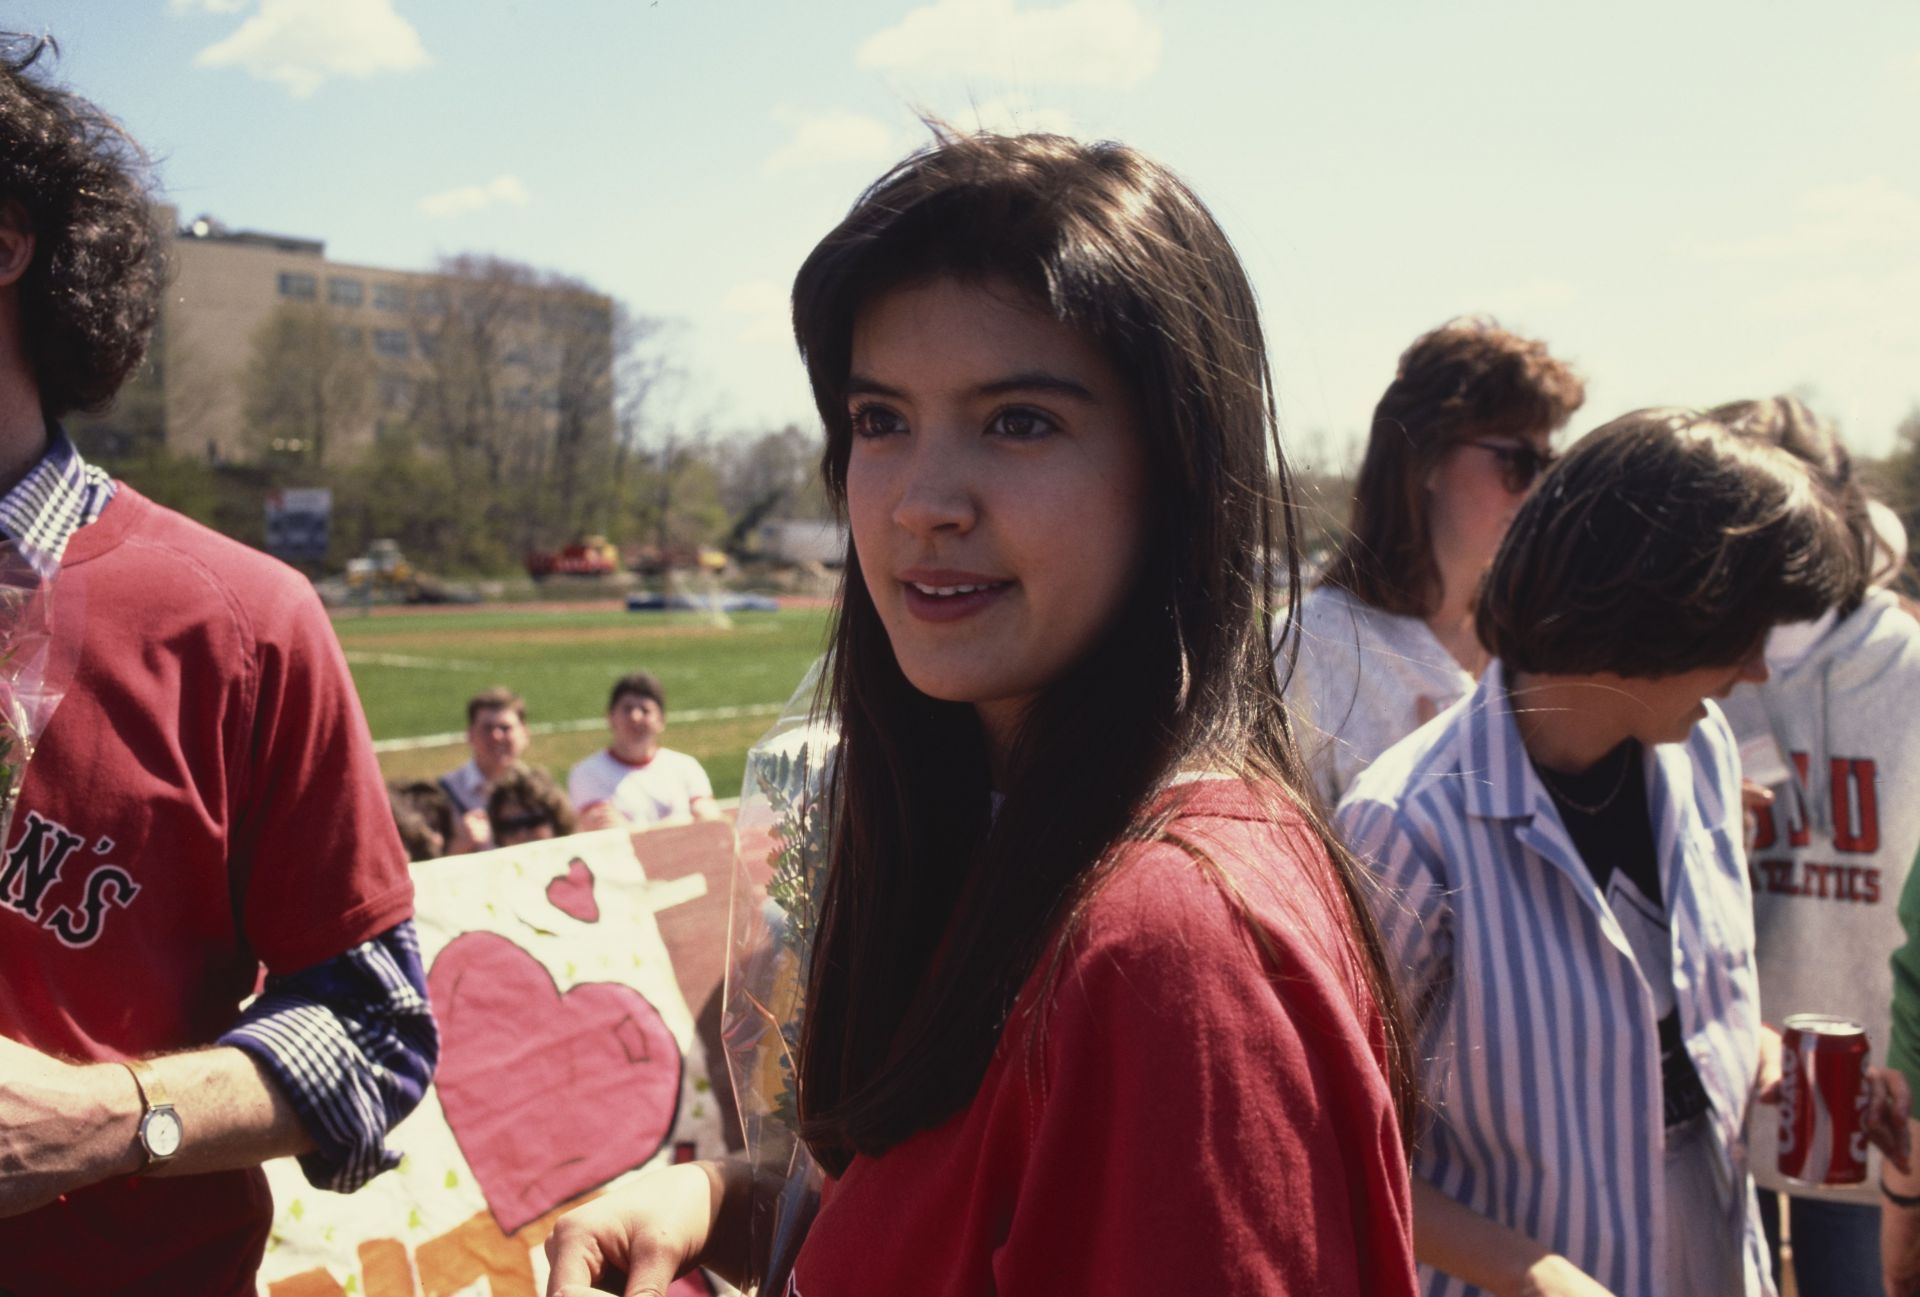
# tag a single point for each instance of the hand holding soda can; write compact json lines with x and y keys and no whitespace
{"x":1823,"y":1100}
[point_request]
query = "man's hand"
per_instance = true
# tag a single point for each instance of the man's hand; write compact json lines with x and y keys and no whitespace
{"x":601,"y":815}
{"x":62,"y":1126}
{"x":1885,"y":1118}
{"x":1756,"y":801}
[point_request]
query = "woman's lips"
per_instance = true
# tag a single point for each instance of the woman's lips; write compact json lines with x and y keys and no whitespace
{"x":944,"y":596}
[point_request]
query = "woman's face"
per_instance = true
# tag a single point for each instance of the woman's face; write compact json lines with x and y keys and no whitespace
{"x":1476,"y":489}
{"x":996,"y":489}
{"x":1665,"y":709}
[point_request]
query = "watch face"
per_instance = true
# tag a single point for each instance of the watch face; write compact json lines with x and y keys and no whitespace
{"x":161,"y":1132}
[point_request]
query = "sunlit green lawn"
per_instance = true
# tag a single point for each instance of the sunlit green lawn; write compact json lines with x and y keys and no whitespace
{"x":415,"y":670}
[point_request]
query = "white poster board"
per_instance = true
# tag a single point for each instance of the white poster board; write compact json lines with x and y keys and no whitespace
{"x":568,"y":1061}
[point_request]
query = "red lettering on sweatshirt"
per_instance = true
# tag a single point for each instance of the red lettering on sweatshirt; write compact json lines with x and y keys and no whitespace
{"x":1818,"y":880}
{"x":1797,"y":824}
{"x":1856,"y":805}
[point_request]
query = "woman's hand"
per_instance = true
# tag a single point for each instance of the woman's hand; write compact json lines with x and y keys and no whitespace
{"x":641,"y":1238}
{"x":1453,"y":1237}
{"x":1555,"y":1276}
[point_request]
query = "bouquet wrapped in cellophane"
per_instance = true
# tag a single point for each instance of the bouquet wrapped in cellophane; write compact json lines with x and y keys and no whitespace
{"x":779,"y":869}
{"x":36,"y":668}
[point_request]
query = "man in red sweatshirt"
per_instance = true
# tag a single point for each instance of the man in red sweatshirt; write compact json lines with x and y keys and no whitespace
{"x":204,"y":801}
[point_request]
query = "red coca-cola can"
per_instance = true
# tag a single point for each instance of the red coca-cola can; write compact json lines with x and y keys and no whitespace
{"x":1823,"y":1100}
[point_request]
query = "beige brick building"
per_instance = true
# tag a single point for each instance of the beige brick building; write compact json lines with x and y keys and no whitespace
{"x":385,"y":335}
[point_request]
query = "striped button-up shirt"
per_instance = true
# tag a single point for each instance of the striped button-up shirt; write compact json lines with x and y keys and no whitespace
{"x":1539,"y":1045}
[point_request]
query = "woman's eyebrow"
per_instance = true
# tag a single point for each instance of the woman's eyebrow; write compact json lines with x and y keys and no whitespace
{"x":1032,"y":380}
{"x":1039,"y":380}
{"x":861,"y":385}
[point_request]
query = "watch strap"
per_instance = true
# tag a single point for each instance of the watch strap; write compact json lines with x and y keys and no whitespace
{"x":153,"y":1091}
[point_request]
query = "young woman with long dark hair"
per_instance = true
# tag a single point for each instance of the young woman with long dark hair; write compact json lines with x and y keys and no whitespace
{"x":1096,"y":1004}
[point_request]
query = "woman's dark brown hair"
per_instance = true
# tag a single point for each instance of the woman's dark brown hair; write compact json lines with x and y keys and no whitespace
{"x":1786,"y":422}
{"x":1467,"y":378}
{"x":1662,"y":543}
{"x":1108,"y":242}
{"x":91,"y":294}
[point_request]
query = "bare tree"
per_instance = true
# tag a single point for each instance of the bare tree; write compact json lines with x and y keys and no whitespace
{"x":308,"y":384}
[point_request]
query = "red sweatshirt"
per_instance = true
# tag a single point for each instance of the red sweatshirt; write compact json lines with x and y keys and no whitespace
{"x":1196,"y":1117}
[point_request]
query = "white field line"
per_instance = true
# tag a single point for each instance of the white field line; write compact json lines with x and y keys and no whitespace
{"x":447,"y":740}
{"x":360,"y":657}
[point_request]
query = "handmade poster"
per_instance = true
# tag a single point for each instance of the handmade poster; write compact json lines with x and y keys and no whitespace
{"x":568,"y":1063}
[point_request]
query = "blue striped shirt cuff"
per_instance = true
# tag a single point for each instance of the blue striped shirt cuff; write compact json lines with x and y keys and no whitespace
{"x":352,"y":1044}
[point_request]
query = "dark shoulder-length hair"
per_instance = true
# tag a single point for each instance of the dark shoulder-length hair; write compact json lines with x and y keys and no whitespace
{"x":934,"y":917}
{"x":1786,"y":422}
{"x":89,"y":298}
{"x":1467,"y":378}
{"x":1664,"y":542}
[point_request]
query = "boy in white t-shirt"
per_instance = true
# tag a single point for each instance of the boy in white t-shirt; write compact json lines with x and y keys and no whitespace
{"x":634,"y":782}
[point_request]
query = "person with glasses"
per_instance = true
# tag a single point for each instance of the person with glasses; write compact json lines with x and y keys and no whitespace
{"x":526,"y":805}
{"x":1386,"y":638}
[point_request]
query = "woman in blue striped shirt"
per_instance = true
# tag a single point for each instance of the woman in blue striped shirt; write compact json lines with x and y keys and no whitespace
{"x":1564,"y":886}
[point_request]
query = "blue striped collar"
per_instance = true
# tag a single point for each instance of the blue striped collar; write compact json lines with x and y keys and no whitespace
{"x":59,"y":495}
{"x":1494,"y":745}
{"x":1512,"y":789}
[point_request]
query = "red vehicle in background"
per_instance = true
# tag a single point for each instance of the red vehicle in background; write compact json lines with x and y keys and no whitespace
{"x":588,"y":556}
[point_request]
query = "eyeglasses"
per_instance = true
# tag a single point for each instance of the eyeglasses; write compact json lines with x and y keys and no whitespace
{"x":1520,"y":463}
{"x":521,"y":822}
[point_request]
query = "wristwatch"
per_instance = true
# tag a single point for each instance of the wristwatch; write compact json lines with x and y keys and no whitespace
{"x":160,"y":1128}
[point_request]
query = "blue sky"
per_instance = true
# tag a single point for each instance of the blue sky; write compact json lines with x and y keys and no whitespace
{"x":1693,"y":201}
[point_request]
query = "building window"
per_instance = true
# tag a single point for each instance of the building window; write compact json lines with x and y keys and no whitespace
{"x":302,"y":287}
{"x":429,"y":345}
{"x":433,"y":301}
{"x":350,"y":336}
{"x":345,"y":292}
{"x":396,"y":391}
{"x":390,"y":297}
{"x":391,"y":342}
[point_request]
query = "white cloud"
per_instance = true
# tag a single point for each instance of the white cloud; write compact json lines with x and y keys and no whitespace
{"x":1833,"y":220}
{"x":832,"y":137}
{"x":1106,"y":43}
{"x":1014,"y":114}
{"x":474,"y":198}
{"x":763,"y":308}
{"x":206,"y":6}
{"x":302,"y":43}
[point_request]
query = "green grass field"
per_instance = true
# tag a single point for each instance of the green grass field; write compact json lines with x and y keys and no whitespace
{"x":415,"y":670}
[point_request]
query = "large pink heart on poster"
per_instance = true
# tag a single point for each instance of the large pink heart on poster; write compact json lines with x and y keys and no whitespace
{"x":548,"y":1095}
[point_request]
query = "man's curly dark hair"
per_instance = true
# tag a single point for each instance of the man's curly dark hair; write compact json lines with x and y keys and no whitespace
{"x":90,"y":296}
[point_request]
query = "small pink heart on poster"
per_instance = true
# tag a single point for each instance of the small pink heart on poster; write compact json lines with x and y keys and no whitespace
{"x":572,"y":892}
{"x":547,"y":1095}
